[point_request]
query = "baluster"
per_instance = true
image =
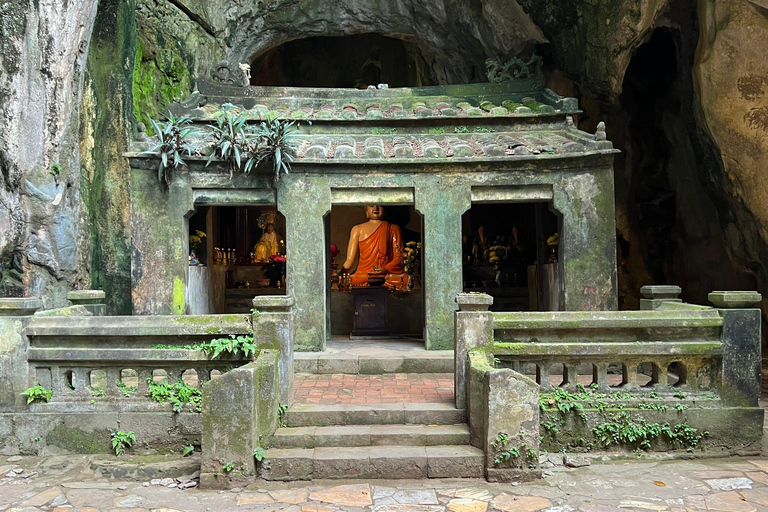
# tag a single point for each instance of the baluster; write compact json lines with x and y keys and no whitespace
{"x":630,"y":375}
{"x":203,"y":375}
{"x":145,"y":374}
{"x":600,"y":376}
{"x":113,"y":375}
{"x":660,"y":376}
{"x":80,"y":376}
{"x":542,"y":375}
{"x":570,"y":376}
{"x":58,"y":383}
{"x":173,"y":375}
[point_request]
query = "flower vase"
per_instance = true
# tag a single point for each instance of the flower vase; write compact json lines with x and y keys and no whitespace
{"x":498,"y":278}
{"x":411,"y":283}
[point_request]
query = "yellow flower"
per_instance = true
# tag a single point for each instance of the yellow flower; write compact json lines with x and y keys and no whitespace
{"x":200,"y":233}
{"x":494,"y":259}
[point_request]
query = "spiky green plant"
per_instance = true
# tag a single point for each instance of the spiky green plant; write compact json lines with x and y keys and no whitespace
{"x":233,"y":140}
{"x":173,"y":142}
{"x":278,"y":144}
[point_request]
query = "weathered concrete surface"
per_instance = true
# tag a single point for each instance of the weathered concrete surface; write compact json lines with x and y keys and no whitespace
{"x":239,"y":414}
{"x":474,"y":328}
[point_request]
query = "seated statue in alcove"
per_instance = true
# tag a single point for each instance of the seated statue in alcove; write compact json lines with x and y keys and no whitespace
{"x":269,"y":242}
{"x":379,"y":245}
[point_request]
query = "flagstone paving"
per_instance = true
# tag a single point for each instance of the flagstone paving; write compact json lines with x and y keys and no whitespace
{"x":66,"y":484}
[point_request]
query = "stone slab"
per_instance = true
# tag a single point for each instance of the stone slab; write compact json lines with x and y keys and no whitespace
{"x":734,"y":299}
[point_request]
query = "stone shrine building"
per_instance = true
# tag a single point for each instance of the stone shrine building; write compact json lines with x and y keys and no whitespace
{"x":450,"y":164}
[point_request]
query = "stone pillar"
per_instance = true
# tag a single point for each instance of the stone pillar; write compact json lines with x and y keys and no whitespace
{"x":442,"y":201}
{"x":14,"y":370}
{"x":655,"y":295}
{"x":273,"y":326}
{"x":159,"y":242}
{"x":742,"y":358}
{"x":473,"y":328}
{"x":305,"y":202}
{"x":587,"y":260}
{"x":93,"y":300}
{"x":239,"y":413}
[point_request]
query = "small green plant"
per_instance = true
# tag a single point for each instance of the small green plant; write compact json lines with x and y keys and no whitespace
{"x":241,"y":345}
{"x":38,"y":392}
{"x":679,"y":395}
{"x":503,"y":452}
{"x":187,"y":450}
{"x":384,"y":131}
{"x":38,"y":438}
{"x":483,"y":129}
{"x":179,"y":394}
{"x":682,"y":407}
{"x":653,"y":394}
{"x":281,"y":410}
{"x":127,"y":391}
{"x":55,"y":170}
{"x":460,"y":129}
{"x":122,"y":440}
{"x":259,"y":453}
{"x":563,"y":401}
{"x":652,"y":406}
{"x":228,"y":467}
{"x":173,"y":143}
{"x":97,"y":392}
{"x":277,"y":144}
{"x":436,"y":131}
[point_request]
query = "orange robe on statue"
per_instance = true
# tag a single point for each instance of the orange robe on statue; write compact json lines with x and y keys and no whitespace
{"x":382,"y":249}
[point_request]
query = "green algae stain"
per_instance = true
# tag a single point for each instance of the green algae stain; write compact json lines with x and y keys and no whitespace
{"x":157,"y":80}
{"x":178,"y":296}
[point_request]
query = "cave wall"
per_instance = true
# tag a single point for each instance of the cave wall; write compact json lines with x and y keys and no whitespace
{"x":689,"y":188}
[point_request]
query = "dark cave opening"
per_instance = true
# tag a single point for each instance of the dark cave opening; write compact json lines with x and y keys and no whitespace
{"x":648,"y":96}
{"x":352,"y":61}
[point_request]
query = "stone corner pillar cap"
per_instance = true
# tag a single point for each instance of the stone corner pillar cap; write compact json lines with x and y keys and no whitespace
{"x":86,"y":295}
{"x":661,"y":291}
{"x":734,"y":299}
{"x":19,"y":306}
{"x":473,"y":301}
{"x":267,"y":302}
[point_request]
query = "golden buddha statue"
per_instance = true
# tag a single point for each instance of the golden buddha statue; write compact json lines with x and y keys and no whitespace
{"x":378,"y":244}
{"x":270,"y":242}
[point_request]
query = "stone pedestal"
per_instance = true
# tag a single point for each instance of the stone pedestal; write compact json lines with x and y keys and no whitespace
{"x":93,"y":300}
{"x":473,"y":327}
{"x":656,"y":295}
{"x":371,"y":312}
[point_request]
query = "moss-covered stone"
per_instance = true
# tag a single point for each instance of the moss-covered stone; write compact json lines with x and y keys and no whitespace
{"x":77,"y":440}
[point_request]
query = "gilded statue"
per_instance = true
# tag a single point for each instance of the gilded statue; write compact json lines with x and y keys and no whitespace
{"x":269,"y":243}
{"x":379,"y":246}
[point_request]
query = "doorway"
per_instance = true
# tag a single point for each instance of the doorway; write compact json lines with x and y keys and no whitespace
{"x":404,"y":308}
{"x":511,"y":252}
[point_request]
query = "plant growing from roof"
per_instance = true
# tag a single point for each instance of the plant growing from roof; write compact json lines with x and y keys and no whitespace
{"x":278,"y":144}
{"x":233,"y":140}
{"x":173,"y":142}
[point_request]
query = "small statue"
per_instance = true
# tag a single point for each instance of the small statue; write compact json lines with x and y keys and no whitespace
{"x":270,"y":243}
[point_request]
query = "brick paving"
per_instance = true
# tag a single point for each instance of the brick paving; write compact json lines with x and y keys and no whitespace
{"x":390,"y":388}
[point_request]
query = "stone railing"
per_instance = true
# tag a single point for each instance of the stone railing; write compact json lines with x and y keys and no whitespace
{"x":100,"y":368}
{"x":669,"y":349}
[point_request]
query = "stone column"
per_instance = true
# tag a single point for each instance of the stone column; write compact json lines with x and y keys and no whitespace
{"x":655,"y":295}
{"x":14,"y":370}
{"x":587,"y":261}
{"x":742,"y":359}
{"x":473,"y":328}
{"x":305,"y":202}
{"x":273,"y":327}
{"x":159,"y":243}
{"x":442,"y":201}
{"x":93,"y":300}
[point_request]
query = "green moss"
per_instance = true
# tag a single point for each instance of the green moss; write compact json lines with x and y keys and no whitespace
{"x":178,"y":296}
{"x":79,"y":441}
{"x":157,"y":81}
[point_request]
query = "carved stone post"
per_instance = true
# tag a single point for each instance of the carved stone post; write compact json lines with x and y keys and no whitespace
{"x":473,"y":328}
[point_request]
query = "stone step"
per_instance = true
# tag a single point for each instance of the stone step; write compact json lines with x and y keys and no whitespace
{"x":318,"y":415}
{"x":370,"y":435}
{"x":369,"y":462}
{"x":374,"y":358}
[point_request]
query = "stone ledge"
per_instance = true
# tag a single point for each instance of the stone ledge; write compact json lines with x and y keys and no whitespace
{"x":474,"y":301}
{"x":86,"y":297}
{"x":19,"y":306}
{"x":661,"y":291}
{"x":734,"y":299}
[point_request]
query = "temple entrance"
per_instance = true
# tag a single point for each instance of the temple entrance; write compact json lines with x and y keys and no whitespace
{"x":510,"y":251}
{"x":367,"y":302}
{"x":236,"y":253}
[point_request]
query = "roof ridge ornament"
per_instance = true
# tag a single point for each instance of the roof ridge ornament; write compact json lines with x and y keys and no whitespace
{"x":514,"y":69}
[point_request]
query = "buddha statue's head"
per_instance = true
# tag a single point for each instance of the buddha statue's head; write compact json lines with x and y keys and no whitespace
{"x":374,"y":212}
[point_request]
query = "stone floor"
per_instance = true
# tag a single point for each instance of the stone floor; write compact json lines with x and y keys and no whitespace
{"x":373,"y":389}
{"x":70,"y":483}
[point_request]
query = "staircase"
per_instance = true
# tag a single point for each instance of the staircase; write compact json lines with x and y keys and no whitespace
{"x":408,"y":426}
